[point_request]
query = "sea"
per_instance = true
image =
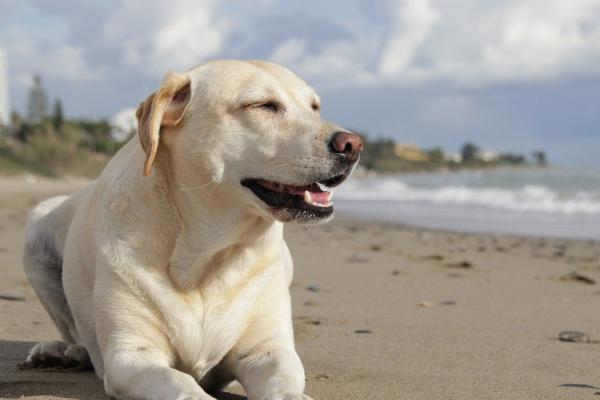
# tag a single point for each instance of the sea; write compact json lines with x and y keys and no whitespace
{"x":545,"y":202}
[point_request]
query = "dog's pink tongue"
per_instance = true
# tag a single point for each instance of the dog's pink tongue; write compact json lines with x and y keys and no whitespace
{"x":320,"y":197}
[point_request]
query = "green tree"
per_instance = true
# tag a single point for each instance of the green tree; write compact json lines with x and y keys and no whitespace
{"x":19,"y":128}
{"x":436,"y":155}
{"x":540,"y":158}
{"x":37,"y":102}
{"x":57,"y":114}
{"x":469,"y":152}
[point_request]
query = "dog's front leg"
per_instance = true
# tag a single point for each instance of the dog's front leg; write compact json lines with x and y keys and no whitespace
{"x":271,"y":371}
{"x":137,"y":370}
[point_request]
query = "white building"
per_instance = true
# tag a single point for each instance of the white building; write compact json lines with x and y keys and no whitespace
{"x":454,"y":157}
{"x":4,"y":101}
{"x":488,"y":155}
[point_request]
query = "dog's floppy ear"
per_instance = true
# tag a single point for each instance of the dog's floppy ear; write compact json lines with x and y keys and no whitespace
{"x":164,"y":108}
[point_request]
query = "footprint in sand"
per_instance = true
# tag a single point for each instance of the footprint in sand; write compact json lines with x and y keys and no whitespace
{"x":355,"y":258}
{"x":11,"y":297}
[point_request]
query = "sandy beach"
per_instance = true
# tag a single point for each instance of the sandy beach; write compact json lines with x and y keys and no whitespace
{"x":380,"y":312}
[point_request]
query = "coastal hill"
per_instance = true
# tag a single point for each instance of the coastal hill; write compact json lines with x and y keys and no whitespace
{"x":385,"y":155}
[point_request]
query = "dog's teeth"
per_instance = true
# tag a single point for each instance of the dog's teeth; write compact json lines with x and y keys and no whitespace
{"x":307,"y":197}
{"x":329,"y":196}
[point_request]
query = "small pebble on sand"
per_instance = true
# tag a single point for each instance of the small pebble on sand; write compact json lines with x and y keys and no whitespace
{"x":573,"y":336}
{"x":462,"y":264}
{"x":434,"y":257}
{"x":578,"y":277}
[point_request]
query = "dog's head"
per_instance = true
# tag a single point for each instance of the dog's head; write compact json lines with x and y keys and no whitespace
{"x":247,"y":134}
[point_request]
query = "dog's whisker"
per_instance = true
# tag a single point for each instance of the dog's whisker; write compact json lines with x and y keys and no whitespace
{"x":196,"y":187}
{"x":213,"y":189}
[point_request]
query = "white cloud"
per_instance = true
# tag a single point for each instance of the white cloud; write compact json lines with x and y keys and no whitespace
{"x":157,"y":35}
{"x":48,"y":52}
{"x":542,"y":39}
{"x":64,"y":62}
{"x":289,"y":51}
{"x":412,"y":21}
{"x":337,"y":63}
{"x":123,"y":123}
{"x":511,"y":41}
{"x":470,"y":42}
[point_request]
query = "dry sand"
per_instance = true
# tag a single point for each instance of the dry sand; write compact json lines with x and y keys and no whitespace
{"x":380,"y":312}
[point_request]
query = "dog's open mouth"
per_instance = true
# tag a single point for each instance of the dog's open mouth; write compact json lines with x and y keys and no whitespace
{"x":312,"y":201}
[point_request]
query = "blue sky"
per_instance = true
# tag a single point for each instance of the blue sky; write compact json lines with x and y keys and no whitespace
{"x":513,"y":75}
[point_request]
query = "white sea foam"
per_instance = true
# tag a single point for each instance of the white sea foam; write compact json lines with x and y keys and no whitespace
{"x":524,"y":197}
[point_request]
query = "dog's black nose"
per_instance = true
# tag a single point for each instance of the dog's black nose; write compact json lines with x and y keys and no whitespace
{"x":347,"y":143}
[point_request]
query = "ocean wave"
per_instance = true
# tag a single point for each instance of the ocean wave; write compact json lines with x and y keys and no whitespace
{"x":530,"y":198}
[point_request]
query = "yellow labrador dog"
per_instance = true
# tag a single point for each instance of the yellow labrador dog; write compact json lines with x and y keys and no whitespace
{"x":169,"y":274}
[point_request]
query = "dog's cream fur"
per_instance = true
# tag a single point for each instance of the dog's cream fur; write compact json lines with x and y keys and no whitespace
{"x":168,"y":273}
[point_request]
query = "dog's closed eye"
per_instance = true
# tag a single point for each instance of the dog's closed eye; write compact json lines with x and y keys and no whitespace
{"x":271,"y":106}
{"x":268,"y":105}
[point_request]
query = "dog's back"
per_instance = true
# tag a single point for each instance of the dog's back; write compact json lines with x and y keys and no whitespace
{"x":46,"y":232}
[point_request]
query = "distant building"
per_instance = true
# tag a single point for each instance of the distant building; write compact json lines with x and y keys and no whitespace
{"x":4,"y":100}
{"x":410,"y":152}
{"x":488,"y":155}
{"x":454,"y":157}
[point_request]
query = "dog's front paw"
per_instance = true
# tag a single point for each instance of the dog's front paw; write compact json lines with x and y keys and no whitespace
{"x":287,"y":396}
{"x":58,"y":355}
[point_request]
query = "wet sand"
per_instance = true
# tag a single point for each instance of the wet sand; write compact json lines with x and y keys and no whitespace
{"x":380,"y":312}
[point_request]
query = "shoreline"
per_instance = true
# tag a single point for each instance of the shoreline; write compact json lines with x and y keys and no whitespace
{"x":347,"y":218}
{"x":401,"y":226}
{"x":558,"y":203}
